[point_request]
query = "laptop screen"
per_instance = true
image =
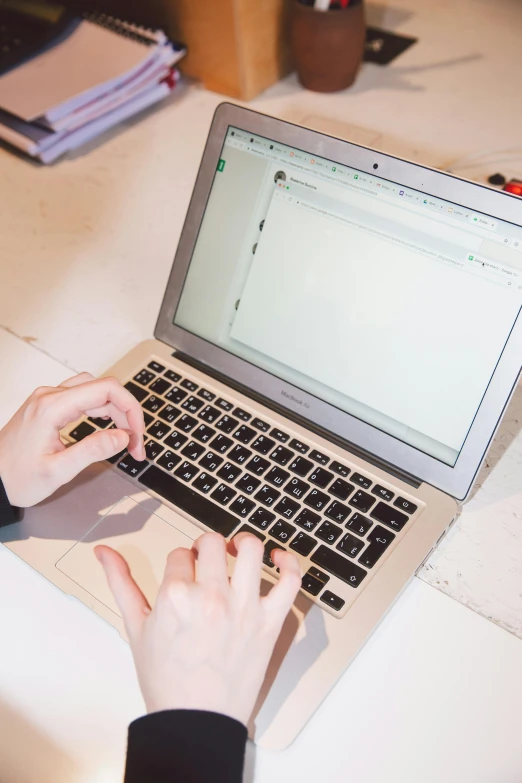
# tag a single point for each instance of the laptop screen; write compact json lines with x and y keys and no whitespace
{"x":383,"y":301}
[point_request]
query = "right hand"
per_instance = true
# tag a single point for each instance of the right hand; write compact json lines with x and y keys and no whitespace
{"x":208,"y":640}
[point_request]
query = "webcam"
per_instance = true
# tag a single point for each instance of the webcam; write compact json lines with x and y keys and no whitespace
{"x":375,"y":165}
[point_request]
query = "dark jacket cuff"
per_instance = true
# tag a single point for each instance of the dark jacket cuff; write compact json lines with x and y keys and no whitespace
{"x":8,"y":513}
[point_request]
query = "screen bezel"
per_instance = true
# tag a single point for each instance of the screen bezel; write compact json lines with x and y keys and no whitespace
{"x":455,"y":480}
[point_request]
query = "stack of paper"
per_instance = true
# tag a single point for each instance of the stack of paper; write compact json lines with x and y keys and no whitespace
{"x":104,"y":72}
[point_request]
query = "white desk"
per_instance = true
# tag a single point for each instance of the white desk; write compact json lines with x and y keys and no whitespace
{"x":85,"y":249}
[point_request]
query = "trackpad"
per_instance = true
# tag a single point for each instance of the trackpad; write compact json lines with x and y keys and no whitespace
{"x":137,"y":533}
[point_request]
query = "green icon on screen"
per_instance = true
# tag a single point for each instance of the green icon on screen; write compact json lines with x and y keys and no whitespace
{"x":221,"y":165}
{"x":470,"y":258}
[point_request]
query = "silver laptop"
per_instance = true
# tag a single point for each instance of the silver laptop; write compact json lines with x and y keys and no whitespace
{"x":338,"y":341}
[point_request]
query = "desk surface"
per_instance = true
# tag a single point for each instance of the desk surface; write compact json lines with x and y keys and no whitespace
{"x":86,"y":248}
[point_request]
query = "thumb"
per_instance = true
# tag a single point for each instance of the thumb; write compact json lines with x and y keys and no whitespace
{"x":94,"y":448}
{"x":132,"y":604}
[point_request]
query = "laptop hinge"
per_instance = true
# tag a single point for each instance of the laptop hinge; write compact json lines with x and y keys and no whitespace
{"x":303,"y":422}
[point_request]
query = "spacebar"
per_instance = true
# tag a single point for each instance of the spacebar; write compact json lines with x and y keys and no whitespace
{"x":185,"y":498}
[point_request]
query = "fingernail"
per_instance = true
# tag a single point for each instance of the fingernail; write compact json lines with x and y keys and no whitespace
{"x":115,"y":440}
{"x":99,"y":554}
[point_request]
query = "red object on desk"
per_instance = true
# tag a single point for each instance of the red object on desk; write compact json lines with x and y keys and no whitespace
{"x":514,"y":187}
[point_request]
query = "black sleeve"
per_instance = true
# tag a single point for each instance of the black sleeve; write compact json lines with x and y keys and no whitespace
{"x":8,"y":513}
{"x":185,"y":746}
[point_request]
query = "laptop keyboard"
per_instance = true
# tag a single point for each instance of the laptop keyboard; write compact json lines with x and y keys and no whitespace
{"x":232,"y":471}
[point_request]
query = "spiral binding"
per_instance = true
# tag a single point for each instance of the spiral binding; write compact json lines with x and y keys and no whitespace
{"x":143,"y":35}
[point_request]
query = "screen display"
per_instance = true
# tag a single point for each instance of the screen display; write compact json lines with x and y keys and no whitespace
{"x":385,"y":302}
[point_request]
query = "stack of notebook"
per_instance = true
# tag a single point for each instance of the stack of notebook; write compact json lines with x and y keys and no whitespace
{"x":102,"y":72}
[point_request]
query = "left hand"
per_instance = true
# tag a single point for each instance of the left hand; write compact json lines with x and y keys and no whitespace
{"x":33,"y":460}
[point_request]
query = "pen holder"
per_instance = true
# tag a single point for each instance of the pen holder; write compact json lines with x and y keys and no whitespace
{"x":327,"y":46}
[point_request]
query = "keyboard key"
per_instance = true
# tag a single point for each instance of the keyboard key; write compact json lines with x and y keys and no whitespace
{"x":269,"y":548}
{"x":206,"y":395}
{"x":204,"y":482}
{"x":156,"y":366}
{"x":210,"y":461}
{"x":338,"y":511}
{"x":277,"y":476}
{"x":144,"y":377}
{"x":221,"y":444}
{"x":303,"y":544}
{"x":193,"y":451}
{"x":203,"y":433}
{"x":209,"y":414}
{"x":81,"y":431}
{"x":262,"y":518}
{"x":383,"y":492}
{"x":297,"y":488}
{"x":248,"y":484}
{"x":317,"y":499}
{"x":227,"y":424}
{"x":307,"y":519}
{"x":244,"y":434}
{"x":389,"y":516}
{"x":186,"y":423}
{"x":301,"y":466}
{"x":160,"y":386}
{"x":153,"y":404}
{"x":267,"y":495}
{"x":281,"y":455}
{"x":116,"y":458}
{"x":282,"y":531}
{"x":224,"y":404}
{"x":223,"y":494}
{"x":405,"y":505}
{"x":170,"y":375}
{"x":176,"y":395}
{"x":339,"y":566}
{"x":131,"y":466}
{"x":153,"y":449}
{"x":322,"y":459}
{"x":102,"y":423}
{"x":332,"y":600}
{"x":192,"y":404}
{"x":350,"y":545}
{"x":147,"y":418}
{"x":242,"y":506}
{"x":313,"y":571}
{"x":169,"y":460}
{"x":190,"y":385}
{"x":239,"y":454}
{"x":278,"y":435}
{"x":287,"y":507}
{"x":341,"y":489}
{"x":299,"y":446}
{"x":311,"y":585}
{"x":186,"y":471}
{"x":362,"y":501}
{"x":136,"y":391}
{"x":337,"y":467}
{"x":175,"y":440}
{"x":170,"y":414}
{"x":361,"y":480}
{"x":229,"y":472}
{"x":241,"y":414}
{"x":263,"y":445}
{"x":321,"y":477}
{"x":189,"y":501}
{"x":159,"y":430}
{"x":260,"y":425}
{"x":328,"y":532}
{"x":248,"y":529}
{"x":257,"y":465}
{"x":380,"y":539}
{"x":359,"y":524}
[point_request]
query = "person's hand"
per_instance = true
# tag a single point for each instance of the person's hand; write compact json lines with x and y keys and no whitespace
{"x":33,"y":460}
{"x":208,"y":640}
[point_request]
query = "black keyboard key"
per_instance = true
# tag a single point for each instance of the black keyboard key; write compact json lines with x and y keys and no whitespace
{"x":277,"y":476}
{"x":338,"y":511}
{"x":186,"y":471}
{"x":287,"y":507}
{"x":350,"y":545}
{"x":380,"y":539}
{"x":156,"y":366}
{"x":227,"y":424}
{"x":203,"y":433}
{"x":131,"y":466}
{"x":193,"y":450}
{"x":239,"y":454}
{"x":170,"y":414}
{"x":303,"y":544}
{"x":102,"y":423}
{"x":278,"y":435}
{"x":297,"y":488}
{"x":170,"y":375}
{"x":389,"y":516}
{"x":153,"y":449}
{"x":405,"y":505}
{"x":242,"y":506}
{"x":282,"y":531}
{"x":158,"y":430}
{"x":282,"y":455}
{"x":160,"y":386}
{"x":317,"y":499}
{"x":263,"y":445}
{"x":267,"y":495}
{"x":383,"y":493}
{"x":311,"y":585}
{"x":136,"y":391}
{"x":224,"y":404}
{"x":248,"y":529}
{"x":221,"y":444}
{"x":362,"y":501}
{"x":269,"y":548}
{"x":342,"y":470}
{"x":328,"y":532}
{"x":257,"y":465}
{"x":298,"y":445}
{"x":209,"y":414}
{"x":190,"y":385}
{"x":175,"y":440}
{"x":148,"y":419}
{"x":223,"y":494}
{"x":361,"y":480}
{"x":229,"y":472}
{"x":307,"y":519}
{"x":208,"y":396}
{"x":339,"y":566}
{"x":313,"y":571}
{"x":321,"y":477}
{"x":186,"y":423}
{"x":248,"y":484}
{"x":262,"y":518}
{"x":241,"y":414}
{"x":341,"y":489}
{"x":189,"y":501}
{"x":322,"y":459}
{"x":144,"y":377}
{"x":81,"y":431}
{"x":260,"y":425}
{"x":169,"y":460}
{"x":359,"y":524}
{"x":176,"y":395}
{"x":301,"y":466}
{"x":205,"y":482}
{"x":244,"y":434}
{"x":210,"y":461}
{"x":153,"y":404}
{"x":332,"y":600}
{"x":192,"y":404}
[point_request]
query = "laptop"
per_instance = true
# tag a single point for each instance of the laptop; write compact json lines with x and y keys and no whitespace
{"x":338,"y":341}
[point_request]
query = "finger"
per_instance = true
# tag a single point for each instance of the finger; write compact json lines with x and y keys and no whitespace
{"x":181,"y":566}
{"x":132,"y":604}
{"x":99,"y":446}
{"x":82,"y":377}
{"x":281,"y":597}
{"x":211,"y":554}
{"x":246,"y":578}
{"x":110,"y":410}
